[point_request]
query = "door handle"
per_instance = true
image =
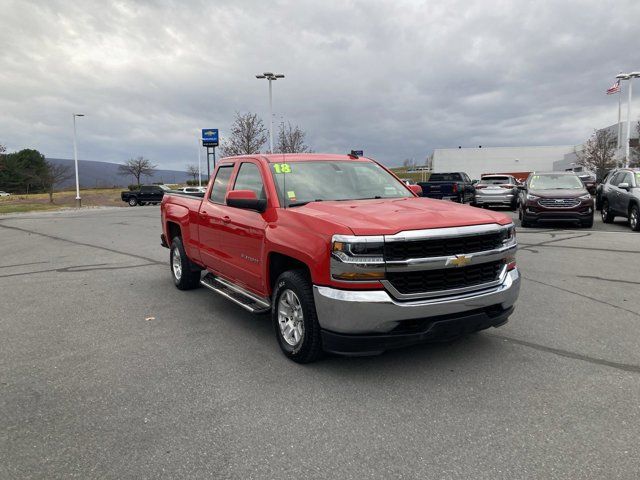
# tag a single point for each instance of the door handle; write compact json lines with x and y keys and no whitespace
{"x":226,"y":219}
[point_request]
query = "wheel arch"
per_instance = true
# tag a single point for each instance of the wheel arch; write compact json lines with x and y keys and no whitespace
{"x":278,"y":263}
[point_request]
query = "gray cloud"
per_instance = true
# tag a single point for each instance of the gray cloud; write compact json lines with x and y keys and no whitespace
{"x":395,"y":78}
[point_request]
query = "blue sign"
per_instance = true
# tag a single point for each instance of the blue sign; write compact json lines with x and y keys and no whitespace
{"x":359,"y":153}
{"x":210,"y":137}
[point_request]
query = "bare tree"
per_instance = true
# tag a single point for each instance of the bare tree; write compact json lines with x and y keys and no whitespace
{"x":54,"y":175}
{"x":248,"y":135}
{"x":291,"y":139}
{"x":598,"y":153}
{"x":137,"y":167}
{"x":193,"y":171}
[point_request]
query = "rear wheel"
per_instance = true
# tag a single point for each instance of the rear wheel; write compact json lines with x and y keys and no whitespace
{"x":607,"y":214}
{"x":133,"y":201}
{"x":186,"y":275}
{"x":634,"y":218}
{"x":294,"y":318}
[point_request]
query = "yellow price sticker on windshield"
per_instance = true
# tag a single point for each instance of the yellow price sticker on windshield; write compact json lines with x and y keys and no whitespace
{"x":282,"y":168}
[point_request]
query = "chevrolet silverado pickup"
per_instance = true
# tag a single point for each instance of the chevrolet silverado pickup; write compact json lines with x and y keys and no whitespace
{"x":456,"y":186}
{"x":343,"y":255}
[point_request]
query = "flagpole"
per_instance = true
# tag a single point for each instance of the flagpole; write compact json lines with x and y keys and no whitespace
{"x":626,"y":147}
{"x":619,"y":116}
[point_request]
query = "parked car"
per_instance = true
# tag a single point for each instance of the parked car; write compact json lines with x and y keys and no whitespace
{"x":4,"y":194}
{"x":555,"y":196}
{"x":621,"y":197}
{"x":601,"y":186}
{"x":151,"y":194}
{"x":589,"y":181}
{"x":341,"y":253}
{"x":193,"y":189}
{"x":496,"y":190}
{"x":456,"y":186}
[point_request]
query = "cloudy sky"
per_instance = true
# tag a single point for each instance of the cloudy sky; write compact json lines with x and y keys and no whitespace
{"x":396,"y":78}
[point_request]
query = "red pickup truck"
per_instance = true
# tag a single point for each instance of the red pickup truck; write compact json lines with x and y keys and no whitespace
{"x":344,"y":256}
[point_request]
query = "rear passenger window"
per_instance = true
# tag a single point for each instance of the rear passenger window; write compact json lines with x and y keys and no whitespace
{"x":249,"y":178}
{"x":220,"y":184}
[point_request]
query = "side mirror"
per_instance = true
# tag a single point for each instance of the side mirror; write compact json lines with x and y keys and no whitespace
{"x":624,"y":186}
{"x":246,"y":199}
{"x":417,"y":189}
{"x":475,"y":182}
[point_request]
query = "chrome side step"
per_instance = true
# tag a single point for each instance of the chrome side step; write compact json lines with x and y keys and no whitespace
{"x":239,"y":295}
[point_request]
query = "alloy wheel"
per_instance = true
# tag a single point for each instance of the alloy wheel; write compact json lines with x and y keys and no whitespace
{"x":176,"y":263}
{"x":290,"y":318}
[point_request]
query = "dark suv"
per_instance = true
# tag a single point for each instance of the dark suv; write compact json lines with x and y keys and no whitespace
{"x":555,"y":196}
{"x":621,"y":197}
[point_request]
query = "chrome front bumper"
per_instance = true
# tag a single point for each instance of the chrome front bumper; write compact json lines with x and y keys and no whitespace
{"x":376,"y":312}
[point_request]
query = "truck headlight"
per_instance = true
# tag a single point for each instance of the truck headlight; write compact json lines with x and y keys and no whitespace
{"x":356,"y":258}
{"x":509,"y":238}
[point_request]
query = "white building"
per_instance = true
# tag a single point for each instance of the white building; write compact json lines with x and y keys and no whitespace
{"x":477,"y":161}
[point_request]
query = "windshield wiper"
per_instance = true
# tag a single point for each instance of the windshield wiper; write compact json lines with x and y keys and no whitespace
{"x":300,"y":204}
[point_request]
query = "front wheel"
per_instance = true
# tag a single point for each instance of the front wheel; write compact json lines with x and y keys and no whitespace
{"x":133,"y":201}
{"x":587,"y":223}
{"x":294,"y":318}
{"x":634,"y":218}
{"x":607,"y":215}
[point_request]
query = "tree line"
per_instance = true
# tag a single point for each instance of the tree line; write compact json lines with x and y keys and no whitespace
{"x":28,"y":171}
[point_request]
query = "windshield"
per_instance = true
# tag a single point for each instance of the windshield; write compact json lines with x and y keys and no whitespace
{"x":495,"y":180}
{"x":445,"y":177}
{"x":300,"y":182}
{"x":552,"y":182}
{"x":638,"y":178}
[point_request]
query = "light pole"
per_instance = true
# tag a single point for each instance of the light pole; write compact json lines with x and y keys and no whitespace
{"x":75,"y":159}
{"x":630,"y":77}
{"x":271,"y":77}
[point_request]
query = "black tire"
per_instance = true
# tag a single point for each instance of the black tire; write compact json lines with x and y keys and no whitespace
{"x":634,"y":218}
{"x":133,"y":201}
{"x":188,"y":276}
{"x":598,"y":202}
{"x":524,"y":223}
{"x":587,"y":223}
{"x":309,"y":346}
{"x":607,"y":215}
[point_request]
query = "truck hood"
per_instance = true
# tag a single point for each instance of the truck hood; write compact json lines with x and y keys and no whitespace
{"x":390,"y":216}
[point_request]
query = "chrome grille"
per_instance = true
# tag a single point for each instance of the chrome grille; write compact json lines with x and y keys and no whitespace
{"x":424,"y":281}
{"x":440,"y":247}
{"x":559,"y":202}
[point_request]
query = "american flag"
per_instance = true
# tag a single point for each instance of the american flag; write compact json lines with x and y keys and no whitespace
{"x":615,"y":88}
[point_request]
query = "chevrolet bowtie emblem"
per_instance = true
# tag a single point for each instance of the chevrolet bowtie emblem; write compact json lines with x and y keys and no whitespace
{"x":459,"y":260}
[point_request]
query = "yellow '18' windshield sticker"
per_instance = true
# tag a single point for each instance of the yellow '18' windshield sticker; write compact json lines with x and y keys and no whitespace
{"x":291,"y":194}
{"x":282,"y":168}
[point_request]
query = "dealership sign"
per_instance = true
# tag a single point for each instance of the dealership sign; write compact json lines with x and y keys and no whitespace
{"x":209,"y":137}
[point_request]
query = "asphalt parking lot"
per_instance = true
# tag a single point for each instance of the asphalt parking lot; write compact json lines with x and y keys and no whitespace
{"x":108,"y":371}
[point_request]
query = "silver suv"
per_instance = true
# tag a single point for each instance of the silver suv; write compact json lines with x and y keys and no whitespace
{"x":621,"y":197}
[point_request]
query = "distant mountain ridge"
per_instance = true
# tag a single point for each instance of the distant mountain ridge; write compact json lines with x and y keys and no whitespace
{"x":105,"y":174}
